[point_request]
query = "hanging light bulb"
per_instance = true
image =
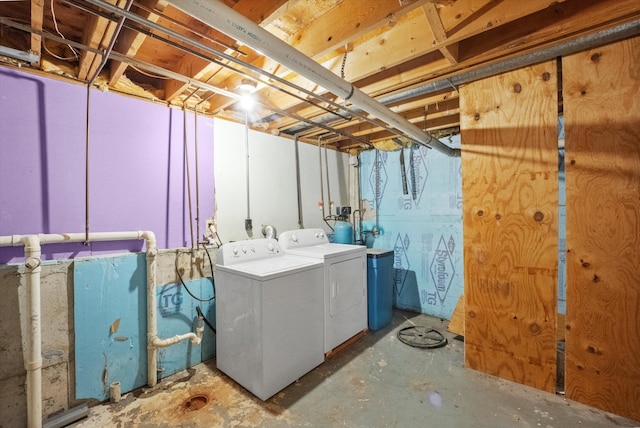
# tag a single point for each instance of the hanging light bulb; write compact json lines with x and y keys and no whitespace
{"x":247,"y":86}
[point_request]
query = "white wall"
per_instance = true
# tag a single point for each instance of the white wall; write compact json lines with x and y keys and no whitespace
{"x":272,"y":179}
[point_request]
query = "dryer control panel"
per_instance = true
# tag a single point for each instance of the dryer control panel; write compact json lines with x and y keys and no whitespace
{"x":302,"y":238}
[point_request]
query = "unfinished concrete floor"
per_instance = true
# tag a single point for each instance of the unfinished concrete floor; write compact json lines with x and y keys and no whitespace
{"x":376,"y":382}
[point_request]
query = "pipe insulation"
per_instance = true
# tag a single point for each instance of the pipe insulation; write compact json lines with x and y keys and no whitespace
{"x":233,"y":24}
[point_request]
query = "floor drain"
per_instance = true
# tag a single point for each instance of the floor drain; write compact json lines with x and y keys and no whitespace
{"x":195,"y":402}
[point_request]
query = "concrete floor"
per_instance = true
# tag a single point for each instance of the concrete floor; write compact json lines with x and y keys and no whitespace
{"x":376,"y":382}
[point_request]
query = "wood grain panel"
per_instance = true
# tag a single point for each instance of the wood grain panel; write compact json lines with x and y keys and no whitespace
{"x":602,"y":153}
{"x":510,"y":200}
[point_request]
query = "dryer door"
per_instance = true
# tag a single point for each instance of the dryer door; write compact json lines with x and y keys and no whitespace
{"x":347,"y":285}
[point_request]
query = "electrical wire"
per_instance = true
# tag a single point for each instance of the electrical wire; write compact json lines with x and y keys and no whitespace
{"x":69,"y":58}
{"x":213,"y":285}
{"x":155,"y":76}
{"x":55,"y":24}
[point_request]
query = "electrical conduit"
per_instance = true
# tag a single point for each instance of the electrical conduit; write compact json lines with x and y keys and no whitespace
{"x":32,"y":252}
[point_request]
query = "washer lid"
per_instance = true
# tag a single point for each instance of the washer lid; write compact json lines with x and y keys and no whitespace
{"x":273,"y":267}
{"x":327,"y":250}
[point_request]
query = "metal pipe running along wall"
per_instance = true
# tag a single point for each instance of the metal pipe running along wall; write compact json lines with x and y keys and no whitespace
{"x":233,"y":24}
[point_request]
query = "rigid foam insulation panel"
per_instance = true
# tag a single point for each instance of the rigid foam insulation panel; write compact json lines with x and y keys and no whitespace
{"x":602,"y":161}
{"x":510,"y":224}
{"x":422,"y":227}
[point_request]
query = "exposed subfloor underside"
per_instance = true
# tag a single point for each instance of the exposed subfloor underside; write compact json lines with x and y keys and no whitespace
{"x":376,"y":382}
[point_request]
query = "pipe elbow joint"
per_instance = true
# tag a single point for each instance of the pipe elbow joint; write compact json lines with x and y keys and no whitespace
{"x":150,"y":239}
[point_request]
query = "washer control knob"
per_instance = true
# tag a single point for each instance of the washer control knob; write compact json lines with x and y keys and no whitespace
{"x":244,"y":250}
{"x":270,"y":247}
{"x":294,"y":237}
{"x":253,"y":249}
{"x":317,"y":235}
{"x":322,"y":235}
{"x":234,"y":251}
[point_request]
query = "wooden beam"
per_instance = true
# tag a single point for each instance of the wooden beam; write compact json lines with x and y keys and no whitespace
{"x":130,"y":41}
{"x":37,"y":14}
{"x":439,"y":33}
{"x":97,"y":34}
{"x":573,"y":18}
{"x":345,"y":22}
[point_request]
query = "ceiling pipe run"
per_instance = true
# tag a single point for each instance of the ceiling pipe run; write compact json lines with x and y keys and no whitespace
{"x":580,"y":44}
{"x":180,"y":77}
{"x":233,"y":24}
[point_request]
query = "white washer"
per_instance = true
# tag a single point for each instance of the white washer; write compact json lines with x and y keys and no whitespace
{"x":345,"y":281}
{"x":269,"y":315}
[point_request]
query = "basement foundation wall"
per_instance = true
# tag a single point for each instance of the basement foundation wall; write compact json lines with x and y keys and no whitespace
{"x":106,"y":296}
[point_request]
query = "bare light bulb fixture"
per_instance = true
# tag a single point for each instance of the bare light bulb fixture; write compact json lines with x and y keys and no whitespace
{"x":247,"y":86}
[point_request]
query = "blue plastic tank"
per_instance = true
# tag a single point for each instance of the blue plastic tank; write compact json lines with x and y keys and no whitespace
{"x":379,"y":287}
{"x":343,"y":232}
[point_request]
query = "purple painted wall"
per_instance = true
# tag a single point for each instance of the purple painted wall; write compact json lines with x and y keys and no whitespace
{"x":137,"y":174}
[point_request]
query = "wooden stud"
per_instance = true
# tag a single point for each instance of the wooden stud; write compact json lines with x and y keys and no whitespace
{"x":37,"y":14}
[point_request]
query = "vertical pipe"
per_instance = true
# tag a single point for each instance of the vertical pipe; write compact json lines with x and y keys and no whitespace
{"x":188,"y":171}
{"x":152,"y":317}
{"x":33,"y":365}
{"x":326,"y":167}
{"x":359,"y":200}
{"x":298,"y":184}
{"x":86,"y":170}
{"x":195,"y":112}
{"x":377,"y":189}
{"x":321,"y":186}
{"x":247,"y":223}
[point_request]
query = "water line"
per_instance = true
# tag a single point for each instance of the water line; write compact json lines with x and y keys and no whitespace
{"x":298,"y":183}
{"x":326,"y":167}
{"x":248,"y":227}
{"x":321,"y":181}
{"x":195,"y":125}
{"x":188,"y":171}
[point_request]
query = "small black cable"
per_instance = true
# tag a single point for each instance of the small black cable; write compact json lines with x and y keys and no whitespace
{"x":185,"y":285}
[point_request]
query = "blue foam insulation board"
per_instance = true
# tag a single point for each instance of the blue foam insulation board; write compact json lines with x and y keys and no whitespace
{"x":423,"y":226}
{"x":562,"y":223}
{"x":110,"y":324}
{"x":110,"y":294}
{"x":177,"y":315}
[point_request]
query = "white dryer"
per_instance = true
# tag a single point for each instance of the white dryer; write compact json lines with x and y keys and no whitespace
{"x":345,"y":281}
{"x":269,"y":315}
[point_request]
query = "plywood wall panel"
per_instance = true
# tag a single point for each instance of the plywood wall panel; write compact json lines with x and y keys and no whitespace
{"x":510,"y":200}
{"x":602,"y":158}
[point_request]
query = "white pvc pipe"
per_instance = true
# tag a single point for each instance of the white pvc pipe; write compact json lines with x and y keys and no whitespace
{"x":32,"y":253}
{"x":33,"y":363}
{"x":235,"y":25}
